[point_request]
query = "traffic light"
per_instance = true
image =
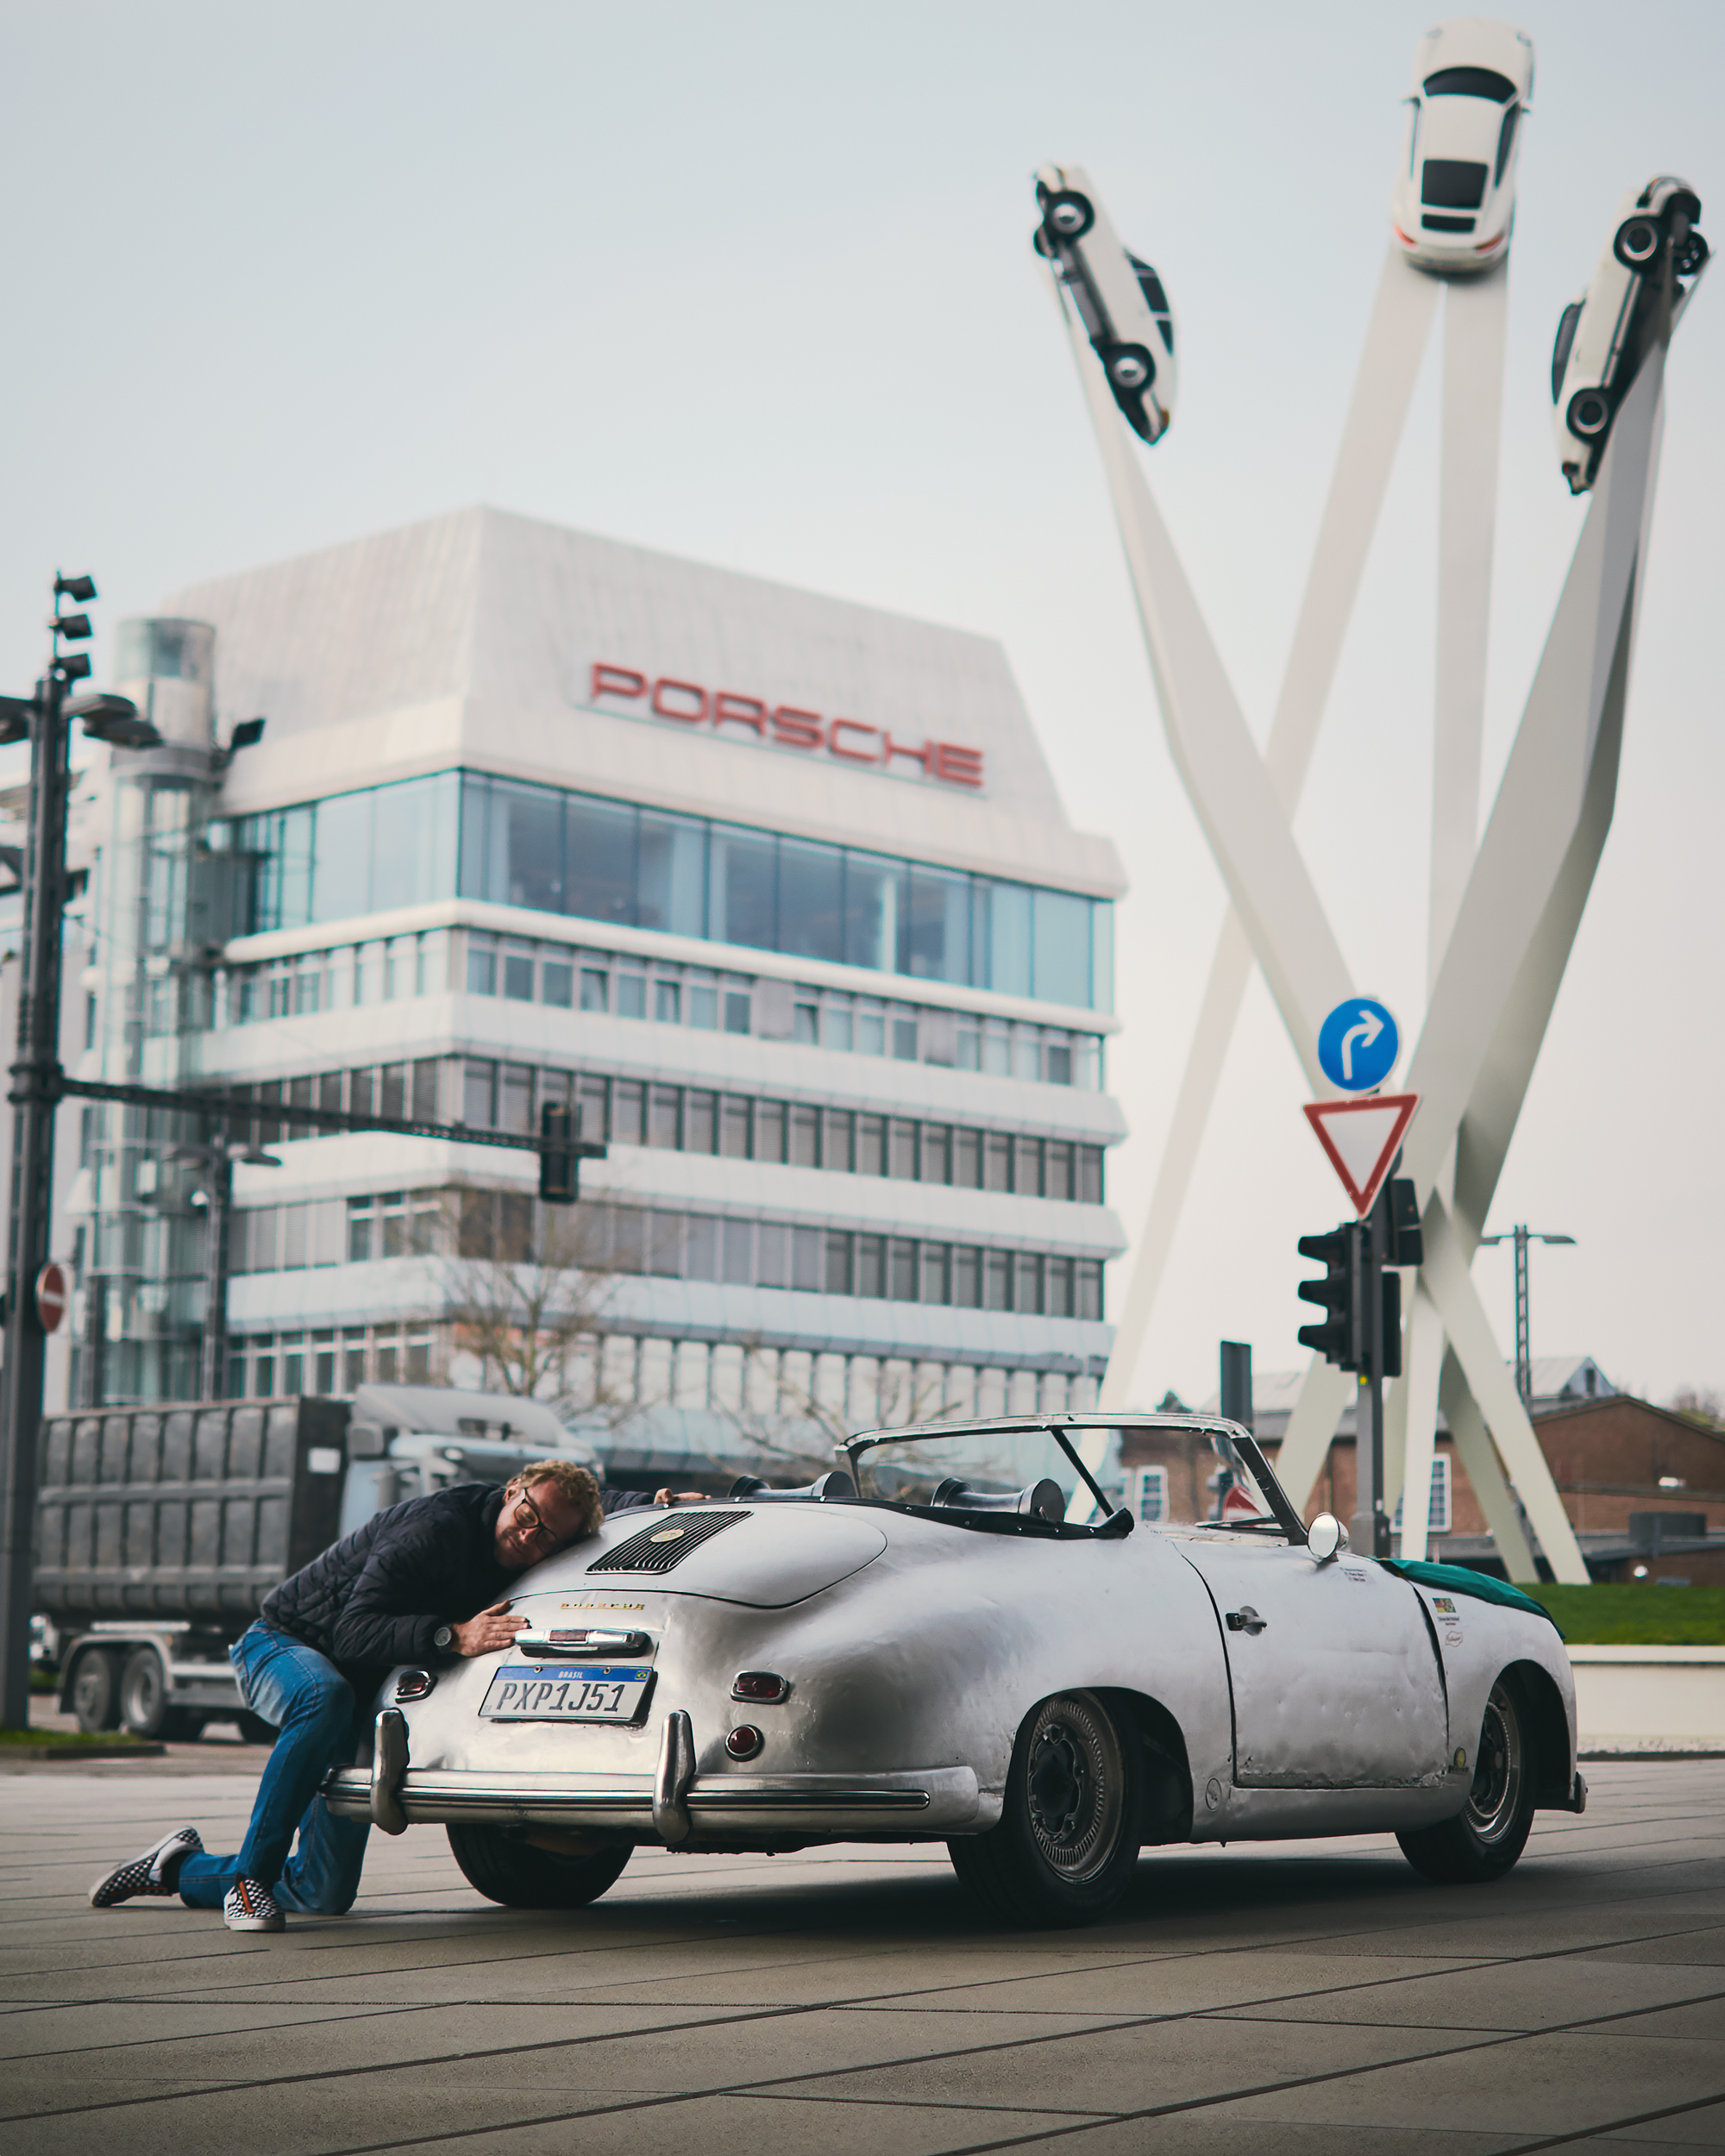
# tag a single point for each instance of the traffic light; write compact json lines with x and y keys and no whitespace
{"x":1390,"y":1286}
{"x":1406,"y":1237}
{"x":1341,"y":1337}
{"x":558,"y":1171}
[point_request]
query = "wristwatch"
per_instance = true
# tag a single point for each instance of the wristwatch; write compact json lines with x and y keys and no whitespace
{"x":444,"y":1639}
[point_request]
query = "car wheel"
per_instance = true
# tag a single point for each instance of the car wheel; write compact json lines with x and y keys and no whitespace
{"x":522,"y":1876}
{"x":1130,"y":366}
{"x":1068,"y":1837}
{"x":1490,"y":1831}
{"x":1637,"y":242}
{"x":1588,"y":414}
{"x":95,"y":1693}
{"x":1068,"y":215}
{"x":1691,"y":255}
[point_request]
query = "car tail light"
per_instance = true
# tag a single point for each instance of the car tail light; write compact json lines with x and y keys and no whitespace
{"x":744,"y":1741}
{"x":761,"y":1685}
{"x":414,"y":1684}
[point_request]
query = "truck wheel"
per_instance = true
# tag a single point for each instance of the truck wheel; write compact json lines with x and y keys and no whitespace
{"x":1490,"y":1831}
{"x":144,"y":1701}
{"x":1065,"y":1850}
{"x":523,"y":1877}
{"x":96,"y":1692}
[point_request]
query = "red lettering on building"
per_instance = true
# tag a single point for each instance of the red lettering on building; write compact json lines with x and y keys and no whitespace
{"x":739,"y":711}
{"x":851,"y":726}
{"x":617,"y":681}
{"x":793,"y":729}
{"x":958,"y":767}
{"x":665,"y":687}
{"x":925,"y":755}
{"x":790,"y":727}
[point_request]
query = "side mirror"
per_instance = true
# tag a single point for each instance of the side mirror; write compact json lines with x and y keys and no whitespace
{"x":1327,"y":1537}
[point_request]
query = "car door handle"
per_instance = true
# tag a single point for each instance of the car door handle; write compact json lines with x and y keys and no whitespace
{"x":1247,"y":1618}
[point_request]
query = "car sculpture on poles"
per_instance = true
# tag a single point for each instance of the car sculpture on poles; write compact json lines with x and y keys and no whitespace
{"x":922,"y":1646}
{"x":1649,"y":266}
{"x":1453,"y":205}
{"x":1119,"y":299}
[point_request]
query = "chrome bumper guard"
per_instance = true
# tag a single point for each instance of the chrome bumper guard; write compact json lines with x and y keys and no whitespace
{"x":918,"y":1805}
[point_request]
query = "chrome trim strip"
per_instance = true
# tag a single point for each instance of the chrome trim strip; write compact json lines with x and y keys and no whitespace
{"x":431,"y":1796}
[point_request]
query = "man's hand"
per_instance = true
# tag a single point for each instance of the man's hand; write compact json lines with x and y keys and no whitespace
{"x":680,"y":1497}
{"x":492,"y":1629}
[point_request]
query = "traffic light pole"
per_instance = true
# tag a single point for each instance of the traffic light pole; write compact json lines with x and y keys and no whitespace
{"x":35,"y":1091}
{"x":1369,"y":1530}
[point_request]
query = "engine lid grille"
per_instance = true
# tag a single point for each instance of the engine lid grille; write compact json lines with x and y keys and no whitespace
{"x":666,"y":1543}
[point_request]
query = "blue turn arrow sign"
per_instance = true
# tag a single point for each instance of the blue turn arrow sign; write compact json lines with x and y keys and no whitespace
{"x":1357,"y":1045}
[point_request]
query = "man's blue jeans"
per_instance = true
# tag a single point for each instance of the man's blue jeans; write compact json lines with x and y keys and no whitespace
{"x":312,"y":1704}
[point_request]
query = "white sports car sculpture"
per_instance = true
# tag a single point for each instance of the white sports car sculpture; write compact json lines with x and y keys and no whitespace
{"x":1453,"y":205}
{"x":1119,"y":299}
{"x":1650,"y":261}
{"x":922,"y":1647}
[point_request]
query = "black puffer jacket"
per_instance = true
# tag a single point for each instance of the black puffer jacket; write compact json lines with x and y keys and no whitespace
{"x":374,"y":1599}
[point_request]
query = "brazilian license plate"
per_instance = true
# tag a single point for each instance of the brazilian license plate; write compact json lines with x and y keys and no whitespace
{"x":566,"y":1692}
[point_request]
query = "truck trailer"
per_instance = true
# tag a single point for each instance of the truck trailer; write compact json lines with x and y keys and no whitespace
{"x":161,"y":1530}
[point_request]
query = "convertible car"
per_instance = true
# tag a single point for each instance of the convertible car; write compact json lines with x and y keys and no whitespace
{"x":930,"y":1644}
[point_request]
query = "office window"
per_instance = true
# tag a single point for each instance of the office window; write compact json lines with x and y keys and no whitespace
{"x":1027,"y":1295}
{"x":393,"y":1085}
{"x":937,"y":1286}
{"x":966,"y":1277}
{"x":668,"y":1002}
{"x":773,"y":1255}
{"x":1090,"y":1175}
{"x":737,"y":1252}
{"x":871,"y":1276}
{"x":632,"y":995}
{"x":628,"y":1111}
{"x":701,"y":1247}
{"x":353,"y":1359}
{"x":481,"y":965}
{"x":1059,"y":1287}
{"x":997,"y":1280}
{"x":518,"y":975}
{"x":665,"y":1117}
{"x":902,"y":1154}
{"x":702,"y":994}
{"x":808,"y":1259}
{"x":838,"y":1139}
{"x":701,"y":1122}
{"x":478,"y":1095}
{"x":998,"y":1160}
{"x":736,"y":1124}
{"x":1057,"y":1169}
{"x":937,"y":1153}
{"x":967,"y":1159}
{"x":769,"y":1130}
{"x":417,"y":1355}
{"x":595,"y":988}
{"x":902,"y":1285}
{"x":361,"y":1215}
{"x":805,"y":1023}
{"x":738,"y":1011}
{"x":558,"y":977}
{"x":805,"y":1137}
{"x":839,"y":1248}
{"x":871,"y":1145}
{"x":1028,"y":1167}
{"x":1090,"y":1289}
{"x":424,"y":1109}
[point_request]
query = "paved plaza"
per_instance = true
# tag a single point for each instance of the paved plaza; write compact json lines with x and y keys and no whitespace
{"x":1268,"y":2002}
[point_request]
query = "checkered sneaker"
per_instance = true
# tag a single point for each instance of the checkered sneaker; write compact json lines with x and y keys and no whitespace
{"x":250,"y":1906}
{"x":156,"y":1872}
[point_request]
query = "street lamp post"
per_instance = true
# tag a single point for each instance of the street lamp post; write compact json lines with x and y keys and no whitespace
{"x":45,"y":720}
{"x":1521,"y":1235}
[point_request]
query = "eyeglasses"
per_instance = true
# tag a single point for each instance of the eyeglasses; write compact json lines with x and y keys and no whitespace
{"x":527,"y":1514}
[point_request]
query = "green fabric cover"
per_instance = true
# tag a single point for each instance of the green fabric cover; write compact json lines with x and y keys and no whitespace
{"x":1457,"y":1579}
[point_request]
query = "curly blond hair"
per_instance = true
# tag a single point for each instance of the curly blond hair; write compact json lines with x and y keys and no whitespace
{"x":573,"y":1484}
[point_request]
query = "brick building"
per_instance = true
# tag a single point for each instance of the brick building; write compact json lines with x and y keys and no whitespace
{"x":1644,"y":1488}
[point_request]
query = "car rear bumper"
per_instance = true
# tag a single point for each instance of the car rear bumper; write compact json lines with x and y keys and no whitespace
{"x":912,"y":1806}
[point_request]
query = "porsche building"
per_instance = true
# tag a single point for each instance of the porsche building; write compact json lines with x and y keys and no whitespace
{"x":774,"y":889}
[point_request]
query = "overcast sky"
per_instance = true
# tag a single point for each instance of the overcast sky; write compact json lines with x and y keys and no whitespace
{"x":751,"y":285}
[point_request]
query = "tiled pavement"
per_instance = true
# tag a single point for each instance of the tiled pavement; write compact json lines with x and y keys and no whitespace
{"x":1312,"y":1999}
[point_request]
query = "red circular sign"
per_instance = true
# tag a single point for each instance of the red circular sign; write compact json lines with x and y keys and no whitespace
{"x":52,"y":1296}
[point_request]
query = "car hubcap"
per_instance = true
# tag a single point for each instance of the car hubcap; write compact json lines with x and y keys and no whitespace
{"x":1130,"y":373}
{"x":1074,"y":1784}
{"x":1067,"y":217}
{"x":1588,"y":415}
{"x":1496,"y":1791}
{"x":1640,"y":241}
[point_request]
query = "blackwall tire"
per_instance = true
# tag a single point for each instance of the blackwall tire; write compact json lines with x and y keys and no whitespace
{"x":1486,"y":1837}
{"x":143,"y":1694}
{"x":95,"y":1697}
{"x":523,"y":1877}
{"x":1067,"y":1843}
{"x":1638,"y":241}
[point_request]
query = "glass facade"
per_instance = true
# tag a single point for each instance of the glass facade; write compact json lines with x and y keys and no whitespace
{"x":469,"y":835}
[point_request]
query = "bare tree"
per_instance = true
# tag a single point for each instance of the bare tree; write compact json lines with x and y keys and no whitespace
{"x":527,"y":1289}
{"x":791,"y":1432}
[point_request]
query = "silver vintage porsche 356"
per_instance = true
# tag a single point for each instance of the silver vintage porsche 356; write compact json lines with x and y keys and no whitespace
{"x":922,"y":1646}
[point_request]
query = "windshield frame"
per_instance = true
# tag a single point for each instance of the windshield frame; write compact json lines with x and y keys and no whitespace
{"x":1064,"y":1429}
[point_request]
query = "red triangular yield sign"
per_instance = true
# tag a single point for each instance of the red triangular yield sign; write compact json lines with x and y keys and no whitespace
{"x":1361,"y":1137}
